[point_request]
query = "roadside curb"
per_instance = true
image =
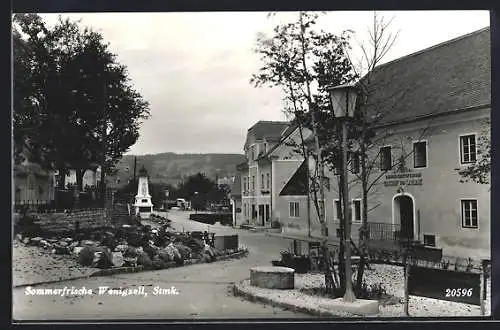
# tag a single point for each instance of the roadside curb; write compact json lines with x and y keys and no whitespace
{"x":238,"y":291}
{"x":138,"y":269}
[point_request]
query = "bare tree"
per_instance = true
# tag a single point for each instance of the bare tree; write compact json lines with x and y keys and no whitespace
{"x":369,"y":130}
{"x":302,"y":61}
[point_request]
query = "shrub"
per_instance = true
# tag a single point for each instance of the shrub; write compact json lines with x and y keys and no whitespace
{"x":130,"y":252}
{"x":151,"y":251}
{"x":165,"y":256}
{"x":144,"y":260}
{"x":86,"y":255}
{"x":27,"y":226}
{"x":105,"y":259}
{"x":373,"y":291}
{"x":445,"y":264}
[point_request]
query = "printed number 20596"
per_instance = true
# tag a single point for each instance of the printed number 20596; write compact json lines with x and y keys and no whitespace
{"x":458,"y":292}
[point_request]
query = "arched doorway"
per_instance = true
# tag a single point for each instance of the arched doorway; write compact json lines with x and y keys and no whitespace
{"x":403,"y":215}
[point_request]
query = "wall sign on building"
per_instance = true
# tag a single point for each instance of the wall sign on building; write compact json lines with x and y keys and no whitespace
{"x":409,"y":179}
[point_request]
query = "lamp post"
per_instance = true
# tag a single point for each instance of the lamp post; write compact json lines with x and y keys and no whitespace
{"x":343,"y":100}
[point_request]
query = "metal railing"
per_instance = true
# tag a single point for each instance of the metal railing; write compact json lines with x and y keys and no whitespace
{"x":384,"y":231}
{"x":64,"y":200}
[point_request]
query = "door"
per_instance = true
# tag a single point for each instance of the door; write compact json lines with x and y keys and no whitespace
{"x":267,"y":213}
{"x":262,"y":215}
{"x":406,"y":217}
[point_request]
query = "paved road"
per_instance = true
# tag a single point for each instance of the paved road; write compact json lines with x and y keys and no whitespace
{"x":204,"y":290}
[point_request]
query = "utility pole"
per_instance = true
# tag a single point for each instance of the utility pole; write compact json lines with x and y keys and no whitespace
{"x":103,"y":140}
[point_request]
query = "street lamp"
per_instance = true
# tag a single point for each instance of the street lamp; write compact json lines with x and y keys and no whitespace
{"x":343,"y":100}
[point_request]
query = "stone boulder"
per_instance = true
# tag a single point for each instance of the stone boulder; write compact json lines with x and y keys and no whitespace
{"x":77,"y":250}
{"x":117,"y":259}
{"x":35,"y":241}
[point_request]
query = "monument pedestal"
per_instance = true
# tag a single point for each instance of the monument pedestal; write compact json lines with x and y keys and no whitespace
{"x":143,"y":205}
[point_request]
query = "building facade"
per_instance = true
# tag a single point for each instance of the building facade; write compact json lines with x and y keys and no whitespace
{"x":437,"y":114}
{"x":255,"y":174}
{"x":268,"y":179}
{"x":33,"y":184}
{"x":90,"y":178}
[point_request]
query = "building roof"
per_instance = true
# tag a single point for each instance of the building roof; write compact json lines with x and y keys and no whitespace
{"x":297,"y":185}
{"x":284,"y":135}
{"x":453,"y":75}
{"x":266,"y":129}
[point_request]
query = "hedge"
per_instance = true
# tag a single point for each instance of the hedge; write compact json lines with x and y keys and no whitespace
{"x":212,"y":218}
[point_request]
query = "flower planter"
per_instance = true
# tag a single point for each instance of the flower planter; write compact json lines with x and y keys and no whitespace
{"x":301,"y":264}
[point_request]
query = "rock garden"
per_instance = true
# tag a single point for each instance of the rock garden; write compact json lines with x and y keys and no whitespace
{"x":129,"y":247}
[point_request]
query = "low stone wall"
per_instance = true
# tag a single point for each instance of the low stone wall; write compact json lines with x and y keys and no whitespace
{"x":60,"y":222}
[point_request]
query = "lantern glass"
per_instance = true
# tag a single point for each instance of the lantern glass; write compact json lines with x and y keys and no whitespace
{"x":343,"y":100}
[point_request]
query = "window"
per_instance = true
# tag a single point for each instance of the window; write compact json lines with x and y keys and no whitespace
{"x":469,"y":213}
{"x":468,"y":149}
{"x":253,"y":182}
{"x":419,"y":154}
{"x":355,"y":162}
{"x":144,"y":200}
{"x":244,"y":184}
{"x":429,"y":240}
{"x":338,"y":210}
{"x":262,"y":181}
{"x":385,"y":158}
{"x":268,"y":179}
{"x":254,"y":212}
{"x":265,"y":147}
{"x":252,"y":152}
{"x":245,"y":210}
{"x":294,"y":209}
{"x":356,"y":210}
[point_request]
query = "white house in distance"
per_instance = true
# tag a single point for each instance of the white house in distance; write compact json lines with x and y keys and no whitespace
{"x":90,"y":178}
{"x":272,"y":162}
{"x":143,"y":205}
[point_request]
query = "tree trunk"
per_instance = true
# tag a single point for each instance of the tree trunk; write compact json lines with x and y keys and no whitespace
{"x":79,"y":179}
{"x":363,"y":233}
{"x":312,"y":108}
{"x":79,"y":186}
{"x":62,"y":178}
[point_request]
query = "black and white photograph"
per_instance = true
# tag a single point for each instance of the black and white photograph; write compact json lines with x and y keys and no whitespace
{"x":298,"y":165}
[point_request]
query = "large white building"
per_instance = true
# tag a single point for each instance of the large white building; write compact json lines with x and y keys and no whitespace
{"x":436,"y":105}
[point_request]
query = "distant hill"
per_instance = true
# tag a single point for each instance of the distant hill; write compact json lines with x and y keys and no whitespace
{"x":172,"y":168}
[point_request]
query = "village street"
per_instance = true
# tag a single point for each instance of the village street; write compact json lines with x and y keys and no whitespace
{"x":204,"y":290}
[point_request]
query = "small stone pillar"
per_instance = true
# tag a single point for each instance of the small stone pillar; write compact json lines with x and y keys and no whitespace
{"x":270,"y":277}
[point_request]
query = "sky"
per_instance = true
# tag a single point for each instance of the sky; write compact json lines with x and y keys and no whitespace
{"x":194,"y":68}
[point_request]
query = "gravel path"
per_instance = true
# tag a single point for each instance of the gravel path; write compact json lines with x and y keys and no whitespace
{"x":391,"y":276}
{"x":33,"y":264}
